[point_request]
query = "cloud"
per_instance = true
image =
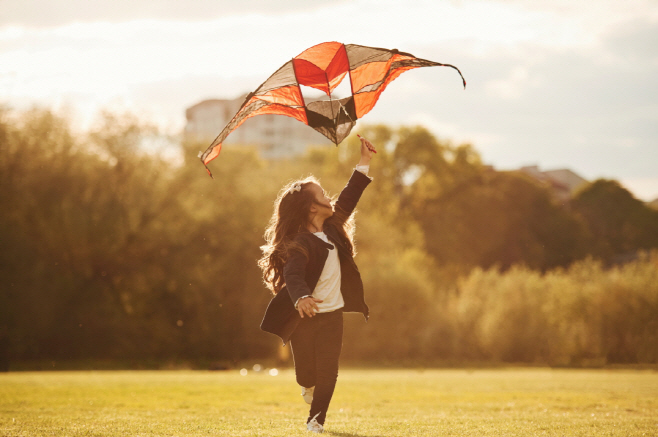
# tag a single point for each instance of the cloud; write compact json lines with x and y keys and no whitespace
{"x":39,"y":13}
{"x":512,"y":87}
{"x":634,"y":41}
{"x":595,"y":18}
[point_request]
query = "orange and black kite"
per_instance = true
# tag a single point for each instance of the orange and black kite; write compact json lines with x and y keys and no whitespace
{"x":323,"y":67}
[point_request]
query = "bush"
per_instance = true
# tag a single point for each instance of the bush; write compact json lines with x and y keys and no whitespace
{"x":582,"y":315}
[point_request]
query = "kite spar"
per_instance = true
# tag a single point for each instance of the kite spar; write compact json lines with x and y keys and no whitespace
{"x":323,"y":67}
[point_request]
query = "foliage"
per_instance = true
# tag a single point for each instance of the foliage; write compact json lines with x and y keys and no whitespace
{"x":110,"y":252}
{"x":619,"y":223}
{"x":581,"y":315}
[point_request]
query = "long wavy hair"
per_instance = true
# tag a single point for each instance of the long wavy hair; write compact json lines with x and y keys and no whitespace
{"x":290,"y":217}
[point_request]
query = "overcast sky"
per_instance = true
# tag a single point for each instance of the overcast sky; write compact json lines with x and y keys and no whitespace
{"x":551,"y":83}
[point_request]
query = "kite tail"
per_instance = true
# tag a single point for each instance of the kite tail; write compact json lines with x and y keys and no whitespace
{"x":460,"y":73}
{"x":202,"y":157}
{"x":209,"y":172}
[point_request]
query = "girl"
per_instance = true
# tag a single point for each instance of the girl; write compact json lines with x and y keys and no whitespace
{"x":309,"y":266}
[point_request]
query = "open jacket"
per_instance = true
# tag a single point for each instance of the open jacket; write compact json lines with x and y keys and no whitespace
{"x":301,"y":273}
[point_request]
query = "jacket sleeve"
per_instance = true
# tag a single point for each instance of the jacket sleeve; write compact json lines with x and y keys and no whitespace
{"x":294,"y":273}
{"x":350,"y":196}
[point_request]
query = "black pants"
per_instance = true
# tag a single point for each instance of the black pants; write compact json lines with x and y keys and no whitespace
{"x":316,"y":346}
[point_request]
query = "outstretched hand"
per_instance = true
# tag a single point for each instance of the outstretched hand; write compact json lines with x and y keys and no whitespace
{"x":308,"y":306}
{"x":367,"y":149}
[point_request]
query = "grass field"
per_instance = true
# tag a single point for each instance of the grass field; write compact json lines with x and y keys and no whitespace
{"x":508,"y":402}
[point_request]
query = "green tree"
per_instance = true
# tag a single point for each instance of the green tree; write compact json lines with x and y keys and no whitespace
{"x":471,"y":215}
{"x":620,"y":223}
{"x":111,"y":252}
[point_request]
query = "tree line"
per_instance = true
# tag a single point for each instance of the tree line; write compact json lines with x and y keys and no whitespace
{"x":111,"y":252}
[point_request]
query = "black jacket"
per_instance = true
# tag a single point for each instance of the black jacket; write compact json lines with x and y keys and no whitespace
{"x":302,"y":273}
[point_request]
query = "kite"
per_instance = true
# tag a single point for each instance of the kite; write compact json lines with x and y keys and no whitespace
{"x":323,"y":67}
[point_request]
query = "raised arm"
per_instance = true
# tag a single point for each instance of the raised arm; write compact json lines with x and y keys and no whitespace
{"x":351,"y":194}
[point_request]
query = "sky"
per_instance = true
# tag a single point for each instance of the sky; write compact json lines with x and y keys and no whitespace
{"x":554,"y":83}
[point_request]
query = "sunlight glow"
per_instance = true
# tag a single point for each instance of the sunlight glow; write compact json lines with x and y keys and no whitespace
{"x":512,"y":52}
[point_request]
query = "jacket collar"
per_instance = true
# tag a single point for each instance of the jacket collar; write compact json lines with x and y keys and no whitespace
{"x":315,"y":240}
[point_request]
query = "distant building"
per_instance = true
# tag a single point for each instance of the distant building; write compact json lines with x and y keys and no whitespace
{"x":562,"y":183}
{"x":276,"y":136}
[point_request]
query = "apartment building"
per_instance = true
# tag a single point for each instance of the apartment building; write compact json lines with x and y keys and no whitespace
{"x":276,"y":136}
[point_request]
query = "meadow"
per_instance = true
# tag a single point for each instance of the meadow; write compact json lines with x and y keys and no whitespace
{"x":367,"y":403}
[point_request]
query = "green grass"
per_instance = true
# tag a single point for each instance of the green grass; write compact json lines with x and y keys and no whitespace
{"x":508,"y":402}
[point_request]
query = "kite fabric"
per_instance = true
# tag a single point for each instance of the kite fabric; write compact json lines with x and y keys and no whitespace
{"x":323,"y":67}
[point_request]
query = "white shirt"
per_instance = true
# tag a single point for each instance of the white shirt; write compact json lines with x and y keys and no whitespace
{"x":328,"y":286}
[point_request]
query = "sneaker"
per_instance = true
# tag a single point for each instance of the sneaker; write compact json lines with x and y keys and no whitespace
{"x":307,"y":394}
{"x":314,"y":426}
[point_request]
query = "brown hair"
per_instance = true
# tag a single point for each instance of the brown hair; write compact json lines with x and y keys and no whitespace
{"x":290,"y":217}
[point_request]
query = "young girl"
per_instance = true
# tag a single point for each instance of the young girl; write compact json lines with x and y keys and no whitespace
{"x":309,"y":266}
